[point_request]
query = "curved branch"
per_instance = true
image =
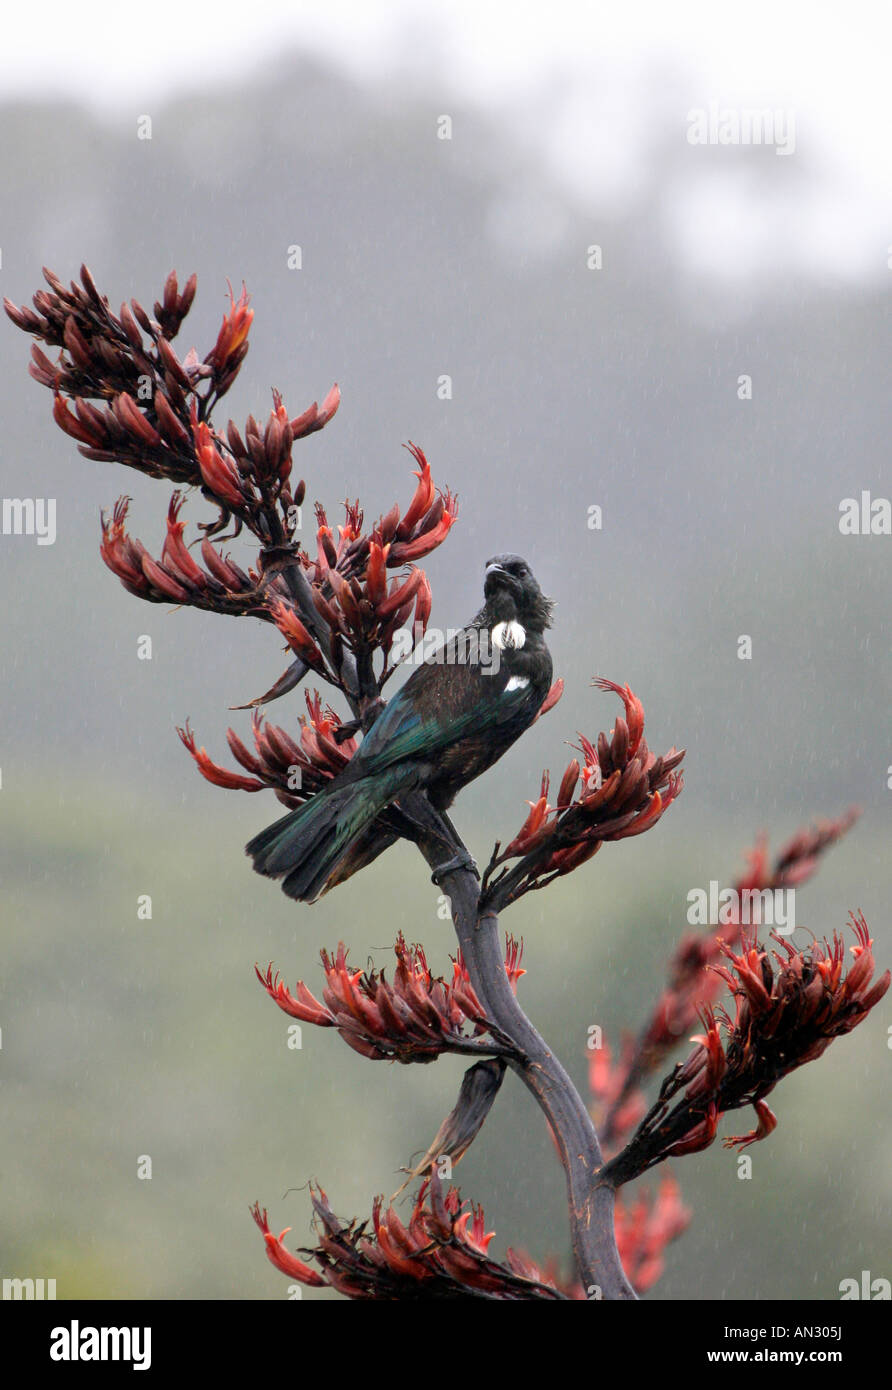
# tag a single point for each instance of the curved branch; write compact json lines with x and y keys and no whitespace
{"x":590,"y":1203}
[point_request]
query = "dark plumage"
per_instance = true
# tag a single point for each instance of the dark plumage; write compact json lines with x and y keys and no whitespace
{"x":455,"y":716}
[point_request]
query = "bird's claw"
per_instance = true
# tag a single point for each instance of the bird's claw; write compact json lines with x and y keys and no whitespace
{"x":462,"y":860}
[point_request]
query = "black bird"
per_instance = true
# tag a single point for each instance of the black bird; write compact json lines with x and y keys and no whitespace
{"x":455,"y":716}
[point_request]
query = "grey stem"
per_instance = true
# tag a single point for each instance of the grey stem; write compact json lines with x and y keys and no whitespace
{"x":590,"y":1202}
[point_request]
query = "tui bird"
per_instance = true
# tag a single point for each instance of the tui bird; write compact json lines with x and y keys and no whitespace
{"x":456,"y":715}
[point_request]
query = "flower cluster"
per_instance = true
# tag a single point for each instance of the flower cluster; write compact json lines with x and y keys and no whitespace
{"x":402,"y":537}
{"x":122,"y":392}
{"x":294,"y":771}
{"x":414,"y":1019}
{"x":102,"y":356}
{"x":691,"y":983}
{"x":349,"y":602}
{"x":440,"y":1253}
{"x":787,"y":1011}
{"x":221,"y":586}
{"x":618,"y":789}
{"x":155,"y":405}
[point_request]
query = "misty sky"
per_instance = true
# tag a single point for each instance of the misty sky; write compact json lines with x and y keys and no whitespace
{"x":592,"y":89}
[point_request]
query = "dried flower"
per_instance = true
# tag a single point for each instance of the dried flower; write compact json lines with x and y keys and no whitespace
{"x":440,"y":1253}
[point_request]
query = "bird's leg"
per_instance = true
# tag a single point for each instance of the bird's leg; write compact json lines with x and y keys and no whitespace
{"x":425,"y":819}
{"x":462,"y":860}
{"x":452,"y":830}
{"x":428,"y":819}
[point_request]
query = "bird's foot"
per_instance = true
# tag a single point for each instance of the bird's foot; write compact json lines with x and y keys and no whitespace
{"x":462,"y":860}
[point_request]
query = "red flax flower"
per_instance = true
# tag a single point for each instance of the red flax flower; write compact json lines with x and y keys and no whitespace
{"x":316,"y":417}
{"x":428,"y":520}
{"x":535,"y":828}
{"x":219,"y":475}
{"x":787,"y":1011}
{"x":441,"y":1252}
{"x":415,"y":1019}
{"x":283,"y":1260}
{"x":619,"y":789}
{"x":231,"y":347}
{"x":301,"y":642}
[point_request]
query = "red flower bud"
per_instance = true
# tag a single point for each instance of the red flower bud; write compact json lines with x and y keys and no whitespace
{"x":376,"y":575}
{"x":423,"y":498}
{"x":218,"y":475}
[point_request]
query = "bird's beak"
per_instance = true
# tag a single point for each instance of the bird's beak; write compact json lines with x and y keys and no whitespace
{"x":493,"y":569}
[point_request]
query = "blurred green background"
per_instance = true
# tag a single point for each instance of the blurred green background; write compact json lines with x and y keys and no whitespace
{"x":572,"y":388}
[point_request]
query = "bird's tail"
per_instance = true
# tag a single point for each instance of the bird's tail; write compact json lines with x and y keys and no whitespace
{"x":307,"y":846}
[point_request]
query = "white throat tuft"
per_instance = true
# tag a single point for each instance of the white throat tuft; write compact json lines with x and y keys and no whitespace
{"x":508,"y":635}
